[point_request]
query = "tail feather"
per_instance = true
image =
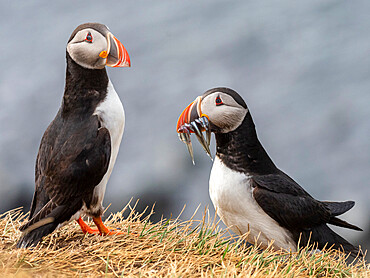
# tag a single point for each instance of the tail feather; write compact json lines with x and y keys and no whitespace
{"x":41,"y":225}
{"x":30,"y":239}
{"x":338,"y":208}
{"x":323,"y":236}
{"x":341,"y":223}
{"x":50,"y":209}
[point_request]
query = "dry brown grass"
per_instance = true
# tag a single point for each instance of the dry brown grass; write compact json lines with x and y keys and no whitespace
{"x":169,"y":248}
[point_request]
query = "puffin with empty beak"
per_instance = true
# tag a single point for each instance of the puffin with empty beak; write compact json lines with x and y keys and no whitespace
{"x":250,"y":194}
{"x":79,"y":148}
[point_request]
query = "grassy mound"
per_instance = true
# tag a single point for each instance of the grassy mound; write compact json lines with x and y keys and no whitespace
{"x":169,"y":248}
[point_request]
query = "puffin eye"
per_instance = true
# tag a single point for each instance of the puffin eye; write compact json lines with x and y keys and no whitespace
{"x":218,"y":101}
{"x":89,"y":38}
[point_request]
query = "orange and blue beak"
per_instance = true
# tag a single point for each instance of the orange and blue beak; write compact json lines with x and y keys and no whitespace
{"x":192,"y":120}
{"x":116,"y":54}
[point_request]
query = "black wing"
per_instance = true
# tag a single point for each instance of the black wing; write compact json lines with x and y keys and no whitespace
{"x":293,"y":208}
{"x":288,"y":203}
{"x":72,"y":160}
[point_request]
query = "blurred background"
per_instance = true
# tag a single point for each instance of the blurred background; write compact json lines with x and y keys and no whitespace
{"x":302,"y":67}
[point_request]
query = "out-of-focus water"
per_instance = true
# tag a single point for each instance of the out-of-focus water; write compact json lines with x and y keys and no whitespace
{"x":302,"y":67}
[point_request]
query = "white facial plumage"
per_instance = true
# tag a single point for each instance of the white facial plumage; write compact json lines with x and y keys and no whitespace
{"x":226,"y":116}
{"x":86,"y":52}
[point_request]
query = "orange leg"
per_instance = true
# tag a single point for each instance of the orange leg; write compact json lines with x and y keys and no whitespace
{"x":103,"y":229}
{"x":86,"y":228}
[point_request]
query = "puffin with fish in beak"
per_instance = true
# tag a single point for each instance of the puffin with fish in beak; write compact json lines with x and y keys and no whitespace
{"x":79,"y":148}
{"x":250,"y":194}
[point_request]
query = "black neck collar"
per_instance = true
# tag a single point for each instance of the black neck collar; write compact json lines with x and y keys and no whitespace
{"x":241,"y":150}
{"x":84,"y":88}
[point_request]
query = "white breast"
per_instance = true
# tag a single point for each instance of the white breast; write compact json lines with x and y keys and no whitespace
{"x":112,"y":116}
{"x":231,"y":194}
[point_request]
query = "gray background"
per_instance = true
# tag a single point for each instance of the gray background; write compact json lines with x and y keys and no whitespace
{"x":302,"y":66}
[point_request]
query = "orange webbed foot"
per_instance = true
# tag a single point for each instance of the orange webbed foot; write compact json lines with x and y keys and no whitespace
{"x":86,"y":229}
{"x":101,"y":228}
{"x":105,"y":231}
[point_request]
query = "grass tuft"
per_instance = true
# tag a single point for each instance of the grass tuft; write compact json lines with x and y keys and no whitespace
{"x":169,"y":248}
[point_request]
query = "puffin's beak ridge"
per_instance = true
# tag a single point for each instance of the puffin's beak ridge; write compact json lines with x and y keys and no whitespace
{"x":184,"y":118}
{"x":117,"y":55}
{"x":192,"y":120}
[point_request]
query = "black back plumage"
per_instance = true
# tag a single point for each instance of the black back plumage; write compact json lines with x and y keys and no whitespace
{"x":241,"y":150}
{"x":280,"y":196}
{"x":73,"y":156}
